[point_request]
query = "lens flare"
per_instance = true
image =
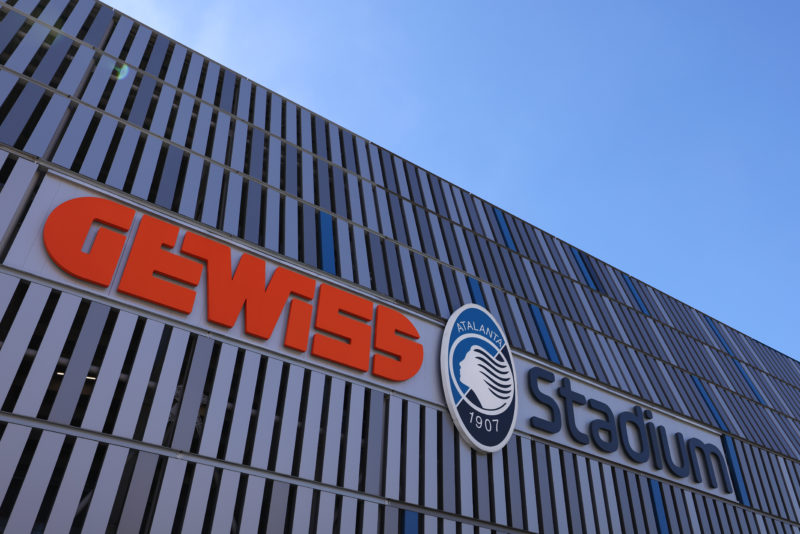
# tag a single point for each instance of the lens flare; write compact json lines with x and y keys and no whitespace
{"x":120,"y":72}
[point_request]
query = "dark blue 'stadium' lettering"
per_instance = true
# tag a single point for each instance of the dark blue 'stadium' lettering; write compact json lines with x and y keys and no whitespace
{"x":640,"y":439}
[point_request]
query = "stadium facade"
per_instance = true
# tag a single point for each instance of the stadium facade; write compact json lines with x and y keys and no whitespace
{"x":220,"y":312}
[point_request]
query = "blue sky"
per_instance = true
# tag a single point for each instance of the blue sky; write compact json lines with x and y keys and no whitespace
{"x":661,"y":137}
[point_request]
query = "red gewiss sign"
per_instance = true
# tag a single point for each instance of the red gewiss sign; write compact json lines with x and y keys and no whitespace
{"x":344,"y":321}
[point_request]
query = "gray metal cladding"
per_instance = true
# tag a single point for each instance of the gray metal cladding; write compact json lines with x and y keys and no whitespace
{"x":211,"y":493}
{"x":112,"y":420}
{"x":184,"y":366}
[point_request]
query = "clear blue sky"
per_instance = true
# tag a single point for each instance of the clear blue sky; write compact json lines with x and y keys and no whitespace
{"x":661,"y":137}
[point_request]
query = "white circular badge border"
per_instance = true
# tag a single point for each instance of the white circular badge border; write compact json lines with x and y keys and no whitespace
{"x":444,"y":360}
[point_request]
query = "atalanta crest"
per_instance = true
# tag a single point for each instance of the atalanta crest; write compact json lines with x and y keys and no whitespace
{"x":478,"y":378}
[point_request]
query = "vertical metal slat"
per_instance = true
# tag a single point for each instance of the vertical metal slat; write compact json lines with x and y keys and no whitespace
{"x":69,"y":492}
{"x":19,"y":336}
{"x":34,"y":486}
{"x":138,"y":379}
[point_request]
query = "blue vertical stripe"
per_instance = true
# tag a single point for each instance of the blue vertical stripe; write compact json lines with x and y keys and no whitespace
{"x":736,"y":470}
{"x":731,"y":458}
{"x":710,"y":404}
{"x":501,"y":220}
{"x":636,"y":295}
{"x":409,"y":522}
{"x":544,"y":333}
{"x":719,"y":335}
{"x":592,"y":273}
{"x":327,"y":251}
{"x":585,"y":269}
{"x":475,"y":292}
{"x":749,"y":382}
{"x":736,"y":362}
{"x":658,"y":505}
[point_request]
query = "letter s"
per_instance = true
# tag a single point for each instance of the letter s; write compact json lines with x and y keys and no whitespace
{"x":342,"y":316}
{"x":389,"y":324}
{"x":67,"y":228}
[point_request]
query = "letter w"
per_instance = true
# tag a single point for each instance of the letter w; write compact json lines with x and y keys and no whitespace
{"x":228,"y":294}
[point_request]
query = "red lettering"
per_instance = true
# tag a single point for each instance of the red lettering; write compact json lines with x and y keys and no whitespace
{"x":149,"y":258}
{"x":333,"y":303}
{"x":156,"y":274}
{"x":299,"y":325}
{"x":67,"y":228}
{"x":394,"y":335}
{"x":229,"y":294}
{"x":283,"y":284}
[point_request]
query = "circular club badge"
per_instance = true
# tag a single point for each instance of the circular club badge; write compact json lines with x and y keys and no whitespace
{"x":478,"y":378}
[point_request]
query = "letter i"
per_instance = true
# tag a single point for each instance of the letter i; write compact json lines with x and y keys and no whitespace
{"x":654,"y":443}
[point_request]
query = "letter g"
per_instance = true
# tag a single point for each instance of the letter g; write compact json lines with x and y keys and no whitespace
{"x":67,"y":228}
